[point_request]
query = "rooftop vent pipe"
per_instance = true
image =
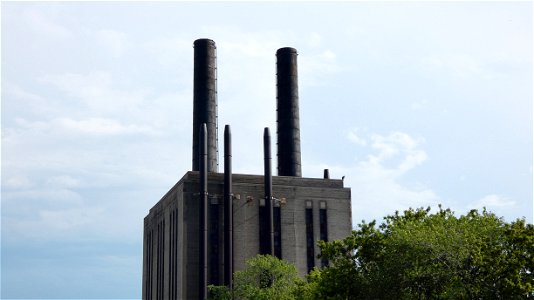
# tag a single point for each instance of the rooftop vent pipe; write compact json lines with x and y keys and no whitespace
{"x":205,"y":100}
{"x":203,"y":217}
{"x":287,"y":113}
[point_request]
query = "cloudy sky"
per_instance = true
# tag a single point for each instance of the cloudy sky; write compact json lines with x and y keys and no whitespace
{"x":415,"y":103}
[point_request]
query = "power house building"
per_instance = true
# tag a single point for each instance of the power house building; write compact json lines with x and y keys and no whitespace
{"x":209,"y":223}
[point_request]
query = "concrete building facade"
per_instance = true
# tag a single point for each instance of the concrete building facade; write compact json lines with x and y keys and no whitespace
{"x":172,"y":232}
{"x":304,"y":210}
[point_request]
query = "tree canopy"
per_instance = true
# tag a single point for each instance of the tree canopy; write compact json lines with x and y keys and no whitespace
{"x":265,"y":278}
{"x":419,"y":255}
{"x":414,"y":255}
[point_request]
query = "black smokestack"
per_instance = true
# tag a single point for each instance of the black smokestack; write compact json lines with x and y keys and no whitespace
{"x":205,"y":100}
{"x":287,"y":113}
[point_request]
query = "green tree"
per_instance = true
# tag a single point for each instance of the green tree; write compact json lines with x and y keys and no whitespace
{"x":419,"y":255}
{"x":265,"y":278}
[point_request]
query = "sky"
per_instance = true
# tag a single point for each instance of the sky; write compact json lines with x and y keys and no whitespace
{"x":415,"y":103}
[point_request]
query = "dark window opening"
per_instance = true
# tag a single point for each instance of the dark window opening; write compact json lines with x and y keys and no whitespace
{"x":310,"y":245}
{"x":171,"y":258}
{"x":160,"y":260}
{"x":173,"y":254}
{"x":214,"y":243}
{"x":277,"y":232}
{"x":264,"y":232}
{"x":149,"y":257}
{"x":262,"y":218}
{"x":323,"y":230}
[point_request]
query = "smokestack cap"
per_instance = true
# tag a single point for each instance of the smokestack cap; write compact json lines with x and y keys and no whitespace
{"x":203,"y":42}
{"x":286,"y":50}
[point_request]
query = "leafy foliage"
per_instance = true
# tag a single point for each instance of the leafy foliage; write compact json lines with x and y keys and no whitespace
{"x":414,"y":255}
{"x":265,"y":278}
{"x":419,"y":255}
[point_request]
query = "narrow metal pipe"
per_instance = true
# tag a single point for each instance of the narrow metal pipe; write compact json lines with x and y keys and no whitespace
{"x":228,"y":210}
{"x":268,"y":183}
{"x":203,"y":218}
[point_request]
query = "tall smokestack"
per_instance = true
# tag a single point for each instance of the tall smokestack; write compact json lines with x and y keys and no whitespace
{"x":287,"y":113}
{"x":205,"y":100}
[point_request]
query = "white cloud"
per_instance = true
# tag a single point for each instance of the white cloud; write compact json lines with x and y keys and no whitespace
{"x":59,"y":214}
{"x":94,"y":88}
{"x":418,"y":105}
{"x":500,"y":205}
{"x":316,"y":68}
{"x":461,"y":66}
{"x":100,"y":95}
{"x":239,"y":42}
{"x":20,"y":93}
{"x":355,"y":137}
{"x":67,"y":219}
{"x":251,"y":56}
{"x":373,"y":198}
{"x":49,"y":195}
{"x":170,"y":50}
{"x":60,"y":222}
{"x":43,"y":24}
{"x":315,"y":40}
{"x":63,"y":181}
{"x":115,"y":41}
{"x":28,"y":102}
{"x":62,"y":127}
{"x":101,"y":126}
{"x":378,"y":180}
{"x":31,"y":125}
{"x":397,"y":147}
{"x":493,"y":201}
{"x":16,"y":182}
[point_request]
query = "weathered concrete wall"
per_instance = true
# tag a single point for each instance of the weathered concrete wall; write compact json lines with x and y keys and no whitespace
{"x":247,"y":190}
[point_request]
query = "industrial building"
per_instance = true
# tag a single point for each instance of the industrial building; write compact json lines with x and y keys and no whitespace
{"x":209,"y":223}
